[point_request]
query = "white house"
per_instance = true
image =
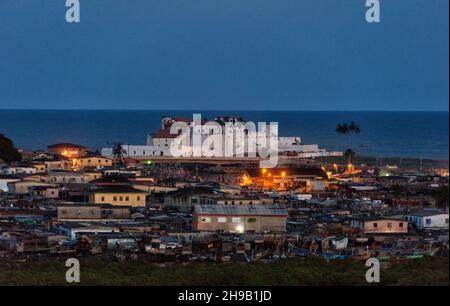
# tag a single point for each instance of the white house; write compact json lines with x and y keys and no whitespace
{"x":428,"y":219}
{"x":19,"y":170}
{"x":4,"y":180}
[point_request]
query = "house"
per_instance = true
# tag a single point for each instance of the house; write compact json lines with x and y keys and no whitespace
{"x":4,"y":180}
{"x":184,"y":199}
{"x":118,"y":195}
{"x":69,"y":177}
{"x":39,"y":166}
{"x":74,"y":229}
{"x":379,"y":225}
{"x":19,"y":170}
{"x":57,"y":164}
{"x":23,"y":187}
{"x":48,"y":191}
{"x":93,"y":162}
{"x":428,"y":219}
{"x":70,"y":150}
{"x":244,"y":200}
{"x":240,"y":219}
{"x":92,"y":212}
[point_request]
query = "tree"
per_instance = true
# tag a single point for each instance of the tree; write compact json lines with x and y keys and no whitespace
{"x":441,"y":197}
{"x":118,"y":153}
{"x":345,"y":129}
{"x":8,"y":152}
{"x":353,"y":128}
{"x":349,"y":155}
{"x":342,"y":129}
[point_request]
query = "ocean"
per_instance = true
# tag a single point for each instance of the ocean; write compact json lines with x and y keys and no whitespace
{"x":386,"y":134}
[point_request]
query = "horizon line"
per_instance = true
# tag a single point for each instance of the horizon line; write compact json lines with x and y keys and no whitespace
{"x":216,"y":110}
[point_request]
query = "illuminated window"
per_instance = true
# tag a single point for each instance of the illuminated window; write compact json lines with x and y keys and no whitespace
{"x":236,"y":220}
{"x":222,"y":219}
{"x":205,"y":219}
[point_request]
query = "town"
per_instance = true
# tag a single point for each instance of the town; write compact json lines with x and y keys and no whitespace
{"x":125,"y":204}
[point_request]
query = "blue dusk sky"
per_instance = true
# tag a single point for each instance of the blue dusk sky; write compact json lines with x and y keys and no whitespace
{"x":224,"y":54}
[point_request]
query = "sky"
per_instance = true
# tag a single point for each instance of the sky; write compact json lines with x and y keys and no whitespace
{"x":224,"y":54}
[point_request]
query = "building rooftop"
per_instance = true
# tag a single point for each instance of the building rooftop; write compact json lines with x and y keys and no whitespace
{"x":241,"y":210}
{"x":426,"y":213}
{"x":66,"y":145}
{"x":118,"y":189}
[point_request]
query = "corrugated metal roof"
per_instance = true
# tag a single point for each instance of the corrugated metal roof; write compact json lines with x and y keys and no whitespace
{"x":266,"y":210}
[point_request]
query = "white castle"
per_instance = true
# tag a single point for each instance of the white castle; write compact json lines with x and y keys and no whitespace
{"x":160,"y":143}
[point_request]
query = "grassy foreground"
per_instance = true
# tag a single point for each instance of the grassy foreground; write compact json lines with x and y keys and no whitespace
{"x":291,"y":272}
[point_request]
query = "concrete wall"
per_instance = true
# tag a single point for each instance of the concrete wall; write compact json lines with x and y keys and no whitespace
{"x":239,"y":224}
{"x":131,"y":199}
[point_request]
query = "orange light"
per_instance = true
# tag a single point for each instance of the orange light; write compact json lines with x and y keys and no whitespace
{"x":270,"y":174}
{"x":264,"y":170}
{"x":283,"y":174}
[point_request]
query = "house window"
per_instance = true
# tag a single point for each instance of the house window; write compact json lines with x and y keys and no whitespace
{"x":400,"y":224}
{"x":428,"y":221}
{"x":251,"y":220}
{"x":120,"y":198}
{"x":138,"y":198}
{"x":114,"y":198}
{"x":222,"y":219}
{"x":375,"y":225}
{"x":205,"y":219}
{"x":389,"y":225}
{"x":236,"y":220}
{"x":226,"y":202}
{"x":446,"y":221}
{"x":127,"y":198}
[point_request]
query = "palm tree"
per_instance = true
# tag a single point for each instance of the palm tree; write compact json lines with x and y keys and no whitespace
{"x":118,"y":153}
{"x":353,"y":129}
{"x":341,"y":129}
{"x":349,"y":155}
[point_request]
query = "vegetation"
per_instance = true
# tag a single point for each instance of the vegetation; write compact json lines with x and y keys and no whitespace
{"x":349,"y":155}
{"x":293,"y":271}
{"x":348,"y":129}
{"x":441,"y":197}
{"x":118,"y":153}
{"x":8,"y":152}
